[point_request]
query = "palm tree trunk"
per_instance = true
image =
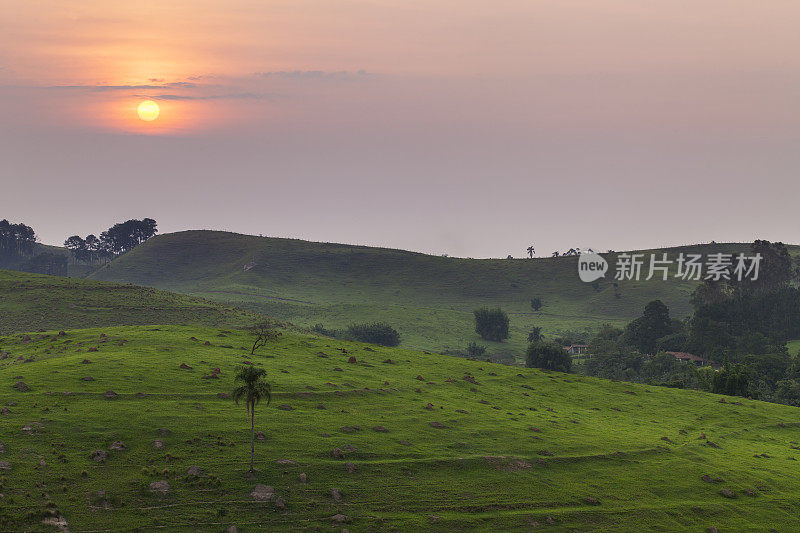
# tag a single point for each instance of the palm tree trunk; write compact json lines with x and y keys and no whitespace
{"x":252,"y":436}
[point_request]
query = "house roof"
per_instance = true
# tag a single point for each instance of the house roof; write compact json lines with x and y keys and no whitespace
{"x":684,"y":356}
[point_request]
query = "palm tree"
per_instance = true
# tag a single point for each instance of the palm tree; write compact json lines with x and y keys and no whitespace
{"x":531,"y":251}
{"x":252,"y":390}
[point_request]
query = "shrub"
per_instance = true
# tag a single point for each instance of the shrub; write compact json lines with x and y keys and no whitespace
{"x":476,"y":350}
{"x":548,"y":356}
{"x":491,"y":324}
{"x":378,"y":333}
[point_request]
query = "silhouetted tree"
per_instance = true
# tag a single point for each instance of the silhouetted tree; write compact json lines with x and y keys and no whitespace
{"x":16,"y":240}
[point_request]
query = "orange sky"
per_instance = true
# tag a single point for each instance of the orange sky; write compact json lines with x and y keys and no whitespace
{"x":459,"y":75}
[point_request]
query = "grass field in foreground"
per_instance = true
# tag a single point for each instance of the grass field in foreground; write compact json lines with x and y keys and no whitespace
{"x":518,"y":449}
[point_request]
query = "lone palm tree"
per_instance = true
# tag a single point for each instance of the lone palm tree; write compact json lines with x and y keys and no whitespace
{"x":252,"y":390}
{"x":531,"y":251}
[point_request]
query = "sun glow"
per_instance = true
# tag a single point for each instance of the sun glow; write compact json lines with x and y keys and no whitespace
{"x":148,"y":111}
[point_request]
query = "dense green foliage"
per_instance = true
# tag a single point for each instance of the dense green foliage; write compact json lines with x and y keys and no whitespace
{"x":491,"y":324}
{"x":378,"y":333}
{"x":548,"y":356}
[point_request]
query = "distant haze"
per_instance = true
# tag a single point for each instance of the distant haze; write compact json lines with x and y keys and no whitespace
{"x":443,"y":126}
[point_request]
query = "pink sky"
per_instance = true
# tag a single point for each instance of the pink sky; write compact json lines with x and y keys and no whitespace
{"x":461,"y":127}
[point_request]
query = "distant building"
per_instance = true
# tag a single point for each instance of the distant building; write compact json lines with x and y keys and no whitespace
{"x":576,"y":349}
{"x":688,"y":357}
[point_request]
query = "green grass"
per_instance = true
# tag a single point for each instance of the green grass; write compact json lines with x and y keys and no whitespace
{"x":32,"y":301}
{"x":486,"y":470}
{"x":429,"y":299}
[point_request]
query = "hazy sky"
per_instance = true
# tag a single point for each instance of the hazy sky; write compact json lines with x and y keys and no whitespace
{"x":444,"y":126}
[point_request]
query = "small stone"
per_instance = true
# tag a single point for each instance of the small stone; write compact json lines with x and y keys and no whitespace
{"x":303,"y":478}
{"x":21,"y":386}
{"x":262,"y":493}
{"x":436,"y":424}
{"x":337,"y":497}
{"x":158,"y":444}
{"x":195,"y":471}
{"x":727,"y":493}
{"x":380,"y":429}
{"x":117,"y":445}
{"x":110,"y":394}
{"x":351,"y":467}
{"x":159,"y":487}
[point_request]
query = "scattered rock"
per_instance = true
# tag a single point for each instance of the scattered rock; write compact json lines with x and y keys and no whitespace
{"x":260,"y":436}
{"x":279,"y":503}
{"x":117,"y":445}
{"x":159,"y":487}
{"x":86,"y":362}
{"x":338,"y":453}
{"x":158,"y":444}
{"x":286,"y":462}
{"x":351,"y":467}
{"x":262,"y":493}
{"x":110,"y":394}
{"x":436,"y":424}
{"x":5,"y":411}
{"x":352,"y":360}
{"x":337,"y":497}
{"x":340,"y":518}
{"x":380,"y":429}
{"x":667,"y":439}
{"x":727,"y":493}
{"x":5,"y":465}
{"x":185,"y":366}
{"x":21,"y":386}
{"x":195,"y":471}
{"x":591,"y":501}
{"x":429,"y":407}
{"x":405,"y":443}
{"x":163,"y":431}
{"x":303,"y":478}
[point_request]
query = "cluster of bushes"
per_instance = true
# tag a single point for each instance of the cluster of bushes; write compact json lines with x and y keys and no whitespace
{"x":377,"y":333}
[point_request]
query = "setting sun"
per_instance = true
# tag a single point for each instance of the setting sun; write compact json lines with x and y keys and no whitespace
{"x":148,"y":110}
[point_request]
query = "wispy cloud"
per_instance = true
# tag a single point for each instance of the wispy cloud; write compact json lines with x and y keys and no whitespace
{"x":314,"y":74}
{"x":225,"y":96}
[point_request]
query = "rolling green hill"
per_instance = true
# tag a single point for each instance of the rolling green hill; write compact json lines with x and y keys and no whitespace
{"x":429,"y":299}
{"x":32,"y":301}
{"x":123,"y":429}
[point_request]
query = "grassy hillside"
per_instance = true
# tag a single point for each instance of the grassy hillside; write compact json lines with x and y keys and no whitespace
{"x":429,"y":299}
{"x":32,"y":301}
{"x":427,"y":442}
